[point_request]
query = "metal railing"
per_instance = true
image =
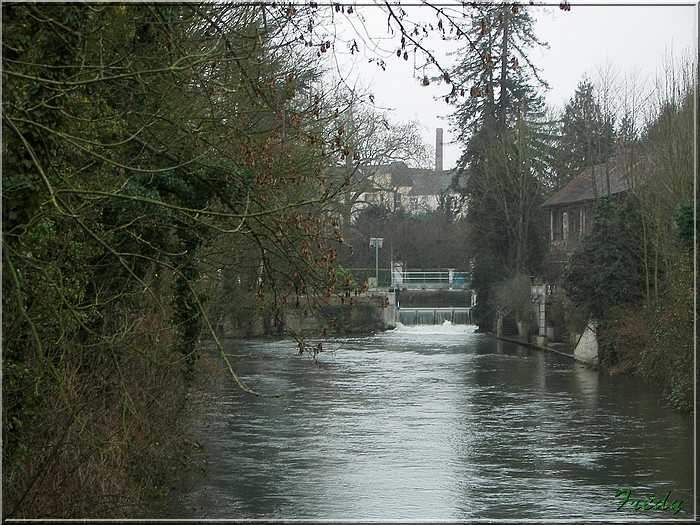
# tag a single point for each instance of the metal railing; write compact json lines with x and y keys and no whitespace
{"x":433,"y":279}
{"x":416,"y":279}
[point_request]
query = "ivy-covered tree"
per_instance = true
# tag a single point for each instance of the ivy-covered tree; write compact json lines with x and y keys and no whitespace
{"x":605,"y":273}
{"x":136,"y":138}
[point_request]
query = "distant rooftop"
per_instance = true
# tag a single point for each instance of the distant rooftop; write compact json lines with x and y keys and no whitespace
{"x":613,"y":177}
{"x":421,"y":181}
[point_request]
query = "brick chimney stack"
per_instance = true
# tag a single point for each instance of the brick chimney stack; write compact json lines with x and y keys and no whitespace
{"x":438,"y":149}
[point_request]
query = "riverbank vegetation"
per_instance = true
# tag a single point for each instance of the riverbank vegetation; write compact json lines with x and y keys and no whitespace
{"x":633,"y":273}
{"x":153,"y":155}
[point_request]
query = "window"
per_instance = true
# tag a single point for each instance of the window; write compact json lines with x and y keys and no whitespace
{"x":556,"y":225}
{"x":575,"y":224}
{"x":397,"y":201}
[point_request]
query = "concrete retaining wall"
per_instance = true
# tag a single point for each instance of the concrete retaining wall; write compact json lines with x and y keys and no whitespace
{"x":373,"y":313}
{"x":587,"y":348}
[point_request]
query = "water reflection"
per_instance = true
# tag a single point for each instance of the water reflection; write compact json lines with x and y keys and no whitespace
{"x":432,"y":423}
{"x":586,"y":384}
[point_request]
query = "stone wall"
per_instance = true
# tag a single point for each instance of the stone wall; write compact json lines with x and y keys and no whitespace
{"x":371,"y":313}
{"x":374,"y":312}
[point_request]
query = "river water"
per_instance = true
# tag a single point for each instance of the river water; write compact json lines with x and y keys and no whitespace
{"x":431,"y":423}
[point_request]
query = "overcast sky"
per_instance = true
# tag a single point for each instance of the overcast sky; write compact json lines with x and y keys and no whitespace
{"x":633,"y":38}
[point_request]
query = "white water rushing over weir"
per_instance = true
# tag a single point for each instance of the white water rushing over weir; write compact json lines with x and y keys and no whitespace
{"x":443,"y":328}
{"x":430,"y":422}
{"x":434,"y":315}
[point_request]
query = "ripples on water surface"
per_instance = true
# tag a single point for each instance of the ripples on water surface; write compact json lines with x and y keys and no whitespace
{"x":431,"y":423}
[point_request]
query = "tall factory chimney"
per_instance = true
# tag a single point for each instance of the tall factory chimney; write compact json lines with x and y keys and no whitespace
{"x":438,"y":149}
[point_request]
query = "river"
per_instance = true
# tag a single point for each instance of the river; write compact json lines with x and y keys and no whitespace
{"x":431,"y":422}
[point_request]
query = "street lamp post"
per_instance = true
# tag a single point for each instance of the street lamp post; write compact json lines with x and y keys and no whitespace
{"x":376,"y":243}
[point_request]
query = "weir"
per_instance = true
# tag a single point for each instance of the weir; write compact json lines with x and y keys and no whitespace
{"x":434,"y":307}
{"x":434,"y":315}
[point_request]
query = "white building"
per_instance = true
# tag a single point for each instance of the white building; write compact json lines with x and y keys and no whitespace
{"x":414,"y":190}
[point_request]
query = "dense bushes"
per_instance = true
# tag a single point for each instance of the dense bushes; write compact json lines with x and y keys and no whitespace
{"x":513,"y":297}
{"x":669,"y":360}
{"x":656,"y":341}
{"x":605,"y":272}
{"x":650,"y":335}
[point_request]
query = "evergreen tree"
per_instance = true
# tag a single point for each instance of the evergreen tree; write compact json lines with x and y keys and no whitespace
{"x":587,"y":134}
{"x":606,"y":271}
{"x":502,"y":125}
{"x":496,"y":69}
